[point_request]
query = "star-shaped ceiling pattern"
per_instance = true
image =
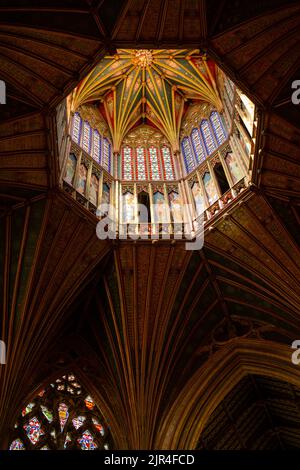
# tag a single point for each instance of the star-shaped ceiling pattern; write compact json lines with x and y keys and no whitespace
{"x":154,"y":85}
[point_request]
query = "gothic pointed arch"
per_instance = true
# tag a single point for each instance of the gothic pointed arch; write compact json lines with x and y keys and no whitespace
{"x":61,"y":416}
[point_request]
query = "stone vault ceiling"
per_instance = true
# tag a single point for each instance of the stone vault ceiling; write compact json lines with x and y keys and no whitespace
{"x":241,"y":294}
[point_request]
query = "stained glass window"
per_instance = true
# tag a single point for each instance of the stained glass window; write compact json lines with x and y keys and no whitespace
{"x":98,"y":426}
{"x":197,"y":145}
{"x":47,"y":413}
{"x":218,"y":127}
{"x":86,"y":137}
{"x":127,"y":156}
{"x":76,"y":128}
{"x":204,"y":141}
{"x":33,"y":430}
{"x":17,"y":444}
{"x":167,"y":163}
{"x":188,"y":154}
{"x":207,"y":136}
{"x":64,"y":416}
{"x":89,"y":402}
{"x":147,"y":163}
{"x":106,"y":154}
{"x":86,"y":441}
{"x":27,"y":409}
{"x":155,"y":173}
{"x":96,"y":152}
{"x":67,"y":440}
{"x":77,"y":422}
{"x":141,"y":170}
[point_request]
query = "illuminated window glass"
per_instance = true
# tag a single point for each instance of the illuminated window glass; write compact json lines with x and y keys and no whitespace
{"x":207,"y":136}
{"x":218,"y":127}
{"x":187,"y":154}
{"x":67,"y":440}
{"x":197,"y":144}
{"x":89,"y":402}
{"x":98,"y":426}
{"x":76,"y":128}
{"x":154,"y":164}
{"x":106,"y":154}
{"x":86,"y":137}
{"x":141,"y":170}
{"x":96,"y":146}
{"x":48,"y":414}
{"x":33,"y":430}
{"x":127,"y":156}
{"x":17,"y":444}
{"x":78,"y":422}
{"x":167,"y":163}
{"x":27,"y":409}
{"x":64,"y":416}
{"x":86,"y":441}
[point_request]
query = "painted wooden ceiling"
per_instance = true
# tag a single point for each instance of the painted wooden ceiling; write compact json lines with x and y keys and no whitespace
{"x":135,"y":86}
{"x":146,"y":327}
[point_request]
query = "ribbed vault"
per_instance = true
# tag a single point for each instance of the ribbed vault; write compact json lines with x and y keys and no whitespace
{"x":259,"y":413}
{"x":154,"y":85}
{"x":136,"y":322}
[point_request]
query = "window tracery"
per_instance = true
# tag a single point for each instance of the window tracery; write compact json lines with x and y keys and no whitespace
{"x":203,"y":141}
{"x":91,"y":141}
{"x":62,"y":416}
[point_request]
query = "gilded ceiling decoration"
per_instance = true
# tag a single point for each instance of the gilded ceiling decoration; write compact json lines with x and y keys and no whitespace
{"x":191,"y":117}
{"x":154,"y":85}
{"x":145,"y":136}
{"x":95,"y":119}
{"x":154,"y":370}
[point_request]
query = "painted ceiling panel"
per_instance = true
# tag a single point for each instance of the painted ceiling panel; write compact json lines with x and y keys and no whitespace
{"x":153,"y":84}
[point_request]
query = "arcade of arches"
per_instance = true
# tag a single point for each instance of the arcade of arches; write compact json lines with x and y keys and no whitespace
{"x":191,"y":109}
